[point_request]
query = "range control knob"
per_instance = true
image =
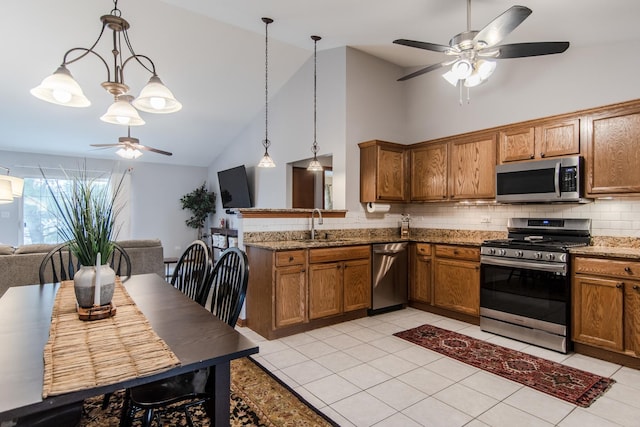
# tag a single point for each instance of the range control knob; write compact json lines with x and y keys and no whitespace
{"x":519,"y":254}
{"x":537,"y":255}
{"x":502,"y":252}
{"x":492,"y":251}
{"x":551,"y":257}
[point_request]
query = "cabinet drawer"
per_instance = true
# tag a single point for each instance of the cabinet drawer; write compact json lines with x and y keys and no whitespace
{"x":286,"y":258}
{"x":339,"y":253}
{"x":423,"y":249}
{"x":459,"y":252}
{"x":607,"y":267}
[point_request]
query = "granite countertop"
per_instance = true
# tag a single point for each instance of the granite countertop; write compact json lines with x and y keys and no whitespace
{"x":469,"y":239}
{"x":607,"y":251}
{"x":605,"y":246}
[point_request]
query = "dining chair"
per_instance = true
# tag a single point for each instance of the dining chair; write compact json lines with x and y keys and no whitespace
{"x":59,"y":265}
{"x":228,"y":288}
{"x":193,"y":271}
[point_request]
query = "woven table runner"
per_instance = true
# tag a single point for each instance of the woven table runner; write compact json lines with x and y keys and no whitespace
{"x":84,"y":354}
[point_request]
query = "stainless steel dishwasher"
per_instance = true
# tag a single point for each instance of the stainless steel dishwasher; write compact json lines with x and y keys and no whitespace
{"x":389,"y":277}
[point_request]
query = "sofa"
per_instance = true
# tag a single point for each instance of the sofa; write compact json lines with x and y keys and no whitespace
{"x":20,"y":266}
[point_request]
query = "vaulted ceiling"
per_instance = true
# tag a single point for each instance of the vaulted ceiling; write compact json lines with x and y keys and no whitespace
{"x":211,"y":54}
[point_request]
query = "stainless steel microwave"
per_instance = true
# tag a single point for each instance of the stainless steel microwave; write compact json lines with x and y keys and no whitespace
{"x":541,"y":181}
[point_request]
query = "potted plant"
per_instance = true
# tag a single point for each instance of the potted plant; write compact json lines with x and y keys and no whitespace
{"x":87,"y":213}
{"x":201,"y":203}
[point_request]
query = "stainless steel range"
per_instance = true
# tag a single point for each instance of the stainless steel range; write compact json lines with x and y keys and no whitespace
{"x":525,"y":286}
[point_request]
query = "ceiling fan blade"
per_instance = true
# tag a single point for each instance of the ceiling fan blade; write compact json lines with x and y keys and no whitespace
{"x":423,"y":45}
{"x":105,"y":145}
{"x":422,"y":71}
{"x":154,"y":150}
{"x":501,"y":26}
{"x":521,"y":50}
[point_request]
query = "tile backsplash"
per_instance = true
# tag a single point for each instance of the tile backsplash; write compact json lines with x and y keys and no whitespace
{"x":618,"y":218}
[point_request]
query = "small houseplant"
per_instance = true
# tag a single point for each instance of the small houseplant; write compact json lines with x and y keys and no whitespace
{"x":87,"y":215}
{"x":201,"y":203}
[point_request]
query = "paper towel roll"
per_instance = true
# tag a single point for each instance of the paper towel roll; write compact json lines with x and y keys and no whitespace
{"x":378,"y":207}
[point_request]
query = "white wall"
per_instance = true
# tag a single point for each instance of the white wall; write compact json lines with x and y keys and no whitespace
{"x":154,"y":202}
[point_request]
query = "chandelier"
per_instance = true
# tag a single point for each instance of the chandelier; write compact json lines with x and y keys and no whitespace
{"x":61,"y":88}
{"x":314,"y":164}
{"x":266,"y":161}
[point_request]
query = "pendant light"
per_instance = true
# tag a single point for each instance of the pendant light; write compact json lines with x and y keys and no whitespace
{"x":314,"y":165}
{"x":266,"y":161}
{"x":10,"y":187}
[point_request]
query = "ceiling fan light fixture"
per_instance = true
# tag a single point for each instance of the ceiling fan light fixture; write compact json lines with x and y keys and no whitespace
{"x":485,"y":68}
{"x":451,"y":78}
{"x":462,"y":69}
{"x":60,"y":88}
{"x":121,"y":112}
{"x":129,"y":153}
{"x":155,"y":97}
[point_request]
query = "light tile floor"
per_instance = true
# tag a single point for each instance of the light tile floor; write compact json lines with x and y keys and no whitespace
{"x":359,"y":374}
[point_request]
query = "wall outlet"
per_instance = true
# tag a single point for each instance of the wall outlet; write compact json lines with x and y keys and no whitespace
{"x":485,"y":220}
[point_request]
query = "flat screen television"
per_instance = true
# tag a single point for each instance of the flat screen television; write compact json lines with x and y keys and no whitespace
{"x":234,"y":188}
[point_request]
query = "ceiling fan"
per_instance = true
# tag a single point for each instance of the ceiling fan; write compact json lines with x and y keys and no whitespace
{"x":130,"y":147}
{"x":473,"y":52}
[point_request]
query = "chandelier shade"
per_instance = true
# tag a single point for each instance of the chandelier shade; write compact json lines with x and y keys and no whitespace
{"x":122,"y":112}
{"x":155,"y":97}
{"x":62,"y":89}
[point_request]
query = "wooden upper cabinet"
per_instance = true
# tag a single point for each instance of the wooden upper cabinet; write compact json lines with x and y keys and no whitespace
{"x":554,"y":138}
{"x":429,"y":172}
{"x":383,"y":172}
{"x":612,"y":151}
{"x":472,"y":167}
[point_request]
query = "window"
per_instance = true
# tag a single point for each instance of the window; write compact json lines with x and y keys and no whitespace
{"x":40,"y":212}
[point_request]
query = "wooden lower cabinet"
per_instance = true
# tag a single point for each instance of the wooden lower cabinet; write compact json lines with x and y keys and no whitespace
{"x":456,"y":282}
{"x":339,"y":280}
{"x":290,"y":296}
{"x":325,"y":289}
{"x":294,"y":291}
{"x":606,"y":304}
{"x":420,"y":273}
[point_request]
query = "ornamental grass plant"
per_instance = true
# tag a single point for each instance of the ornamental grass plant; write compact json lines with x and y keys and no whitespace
{"x":87,"y":213}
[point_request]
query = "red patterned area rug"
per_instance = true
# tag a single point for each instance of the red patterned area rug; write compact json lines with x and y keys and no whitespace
{"x":564,"y":382}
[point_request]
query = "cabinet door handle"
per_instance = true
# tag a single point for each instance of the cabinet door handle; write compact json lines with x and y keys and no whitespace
{"x":619,"y":285}
{"x":627,"y":270}
{"x":303,"y":271}
{"x":532,"y":156}
{"x":290,"y":258}
{"x":455,"y":252}
{"x":636,"y":287}
{"x":541,"y":154}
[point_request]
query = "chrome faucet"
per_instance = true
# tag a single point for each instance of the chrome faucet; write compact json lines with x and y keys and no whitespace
{"x":313,"y":227}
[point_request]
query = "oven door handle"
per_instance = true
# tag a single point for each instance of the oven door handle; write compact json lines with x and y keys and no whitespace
{"x":502,"y":262}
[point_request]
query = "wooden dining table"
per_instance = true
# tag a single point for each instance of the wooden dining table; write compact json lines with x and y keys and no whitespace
{"x":196,"y":337}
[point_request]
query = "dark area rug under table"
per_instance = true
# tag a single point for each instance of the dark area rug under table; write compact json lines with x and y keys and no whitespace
{"x":564,"y":382}
{"x":257,"y":399}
